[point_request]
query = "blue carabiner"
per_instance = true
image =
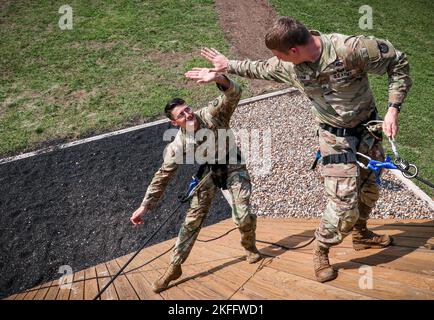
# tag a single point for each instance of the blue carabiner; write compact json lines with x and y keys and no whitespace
{"x":376,"y":166}
{"x":193,"y":183}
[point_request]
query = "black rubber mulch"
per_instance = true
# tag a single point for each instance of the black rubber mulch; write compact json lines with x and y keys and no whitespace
{"x":72,"y":206}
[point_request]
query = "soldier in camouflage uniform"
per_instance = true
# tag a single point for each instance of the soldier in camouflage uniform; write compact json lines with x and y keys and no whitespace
{"x":332,"y":71}
{"x":214,"y":117}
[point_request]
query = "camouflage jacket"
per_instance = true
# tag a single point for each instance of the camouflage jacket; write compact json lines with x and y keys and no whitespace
{"x":337,"y":84}
{"x":215,"y":117}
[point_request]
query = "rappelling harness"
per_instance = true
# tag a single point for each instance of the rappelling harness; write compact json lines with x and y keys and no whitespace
{"x":408,"y":170}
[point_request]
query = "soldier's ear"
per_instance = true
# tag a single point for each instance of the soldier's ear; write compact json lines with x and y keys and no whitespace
{"x":173,"y":122}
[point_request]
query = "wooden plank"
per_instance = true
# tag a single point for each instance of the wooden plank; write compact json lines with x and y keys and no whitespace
{"x":215,"y":270}
{"x":307,"y":271}
{"x":123,"y":287}
{"x":193,"y":288}
{"x":21,"y":295}
{"x":42,"y":292}
{"x":415,"y":257}
{"x":174,"y":292}
{"x":77,"y":290}
{"x":143,"y":287}
{"x":382,"y":289}
{"x":289,"y":286}
{"x":52,"y":291}
{"x":103,"y":278}
{"x":139,"y":282}
{"x":64,"y":293}
{"x":401,"y":230}
{"x":234,"y":270}
{"x":307,"y":255}
{"x":12,"y":297}
{"x":91,"y":283}
{"x":395,"y":278}
{"x":32,"y":293}
{"x":206,"y":275}
{"x":420,"y":280}
{"x":303,"y":230}
{"x":269,"y":284}
{"x":294,"y":240}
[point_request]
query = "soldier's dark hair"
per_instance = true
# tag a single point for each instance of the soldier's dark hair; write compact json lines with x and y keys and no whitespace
{"x":171,"y":105}
{"x":286,"y":33}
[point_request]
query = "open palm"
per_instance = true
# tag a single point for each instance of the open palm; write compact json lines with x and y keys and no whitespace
{"x":201,"y":75}
{"x":219,"y":61}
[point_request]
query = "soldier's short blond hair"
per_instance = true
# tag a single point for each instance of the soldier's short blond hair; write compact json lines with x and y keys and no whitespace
{"x":286,"y":33}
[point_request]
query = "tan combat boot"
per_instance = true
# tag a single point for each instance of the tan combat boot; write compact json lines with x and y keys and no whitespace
{"x":323,"y":270}
{"x":363,"y":238}
{"x":172,"y":273}
{"x":253,"y":255}
{"x":248,"y":241}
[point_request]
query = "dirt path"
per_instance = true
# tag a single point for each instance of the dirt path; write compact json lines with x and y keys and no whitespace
{"x":245,"y":23}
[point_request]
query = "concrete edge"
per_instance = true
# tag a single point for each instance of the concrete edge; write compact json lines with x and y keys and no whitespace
{"x":138,"y":127}
{"x":418,"y":192}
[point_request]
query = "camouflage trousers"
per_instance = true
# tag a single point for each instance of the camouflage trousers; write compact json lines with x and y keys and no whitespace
{"x":239,"y":189}
{"x":351,"y":190}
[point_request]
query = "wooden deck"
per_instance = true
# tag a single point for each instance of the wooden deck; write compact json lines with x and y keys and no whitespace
{"x":217,"y":269}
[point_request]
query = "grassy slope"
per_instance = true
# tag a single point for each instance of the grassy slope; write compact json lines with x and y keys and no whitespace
{"x":408,"y":25}
{"x":120,"y":64}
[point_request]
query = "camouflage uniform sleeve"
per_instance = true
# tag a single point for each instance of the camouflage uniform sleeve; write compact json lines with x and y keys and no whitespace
{"x":224,"y":106}
{"x":379,"y":56}
{"x":164,"y":174}
{"x":271,"y":69}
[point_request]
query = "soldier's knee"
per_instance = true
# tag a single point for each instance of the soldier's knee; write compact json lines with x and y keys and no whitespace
{"x":246,"y":223}
{"x":343,"y":218}
{"x":348,"y":221}
{"x":192,"y":224}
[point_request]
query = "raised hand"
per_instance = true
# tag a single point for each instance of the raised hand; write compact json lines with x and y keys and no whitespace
{"x":202,"y":75}
{"x":219,"y":61}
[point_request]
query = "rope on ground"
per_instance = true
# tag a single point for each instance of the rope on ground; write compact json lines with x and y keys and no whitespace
{"x":137,"y":252}
{"x":261,"y":265}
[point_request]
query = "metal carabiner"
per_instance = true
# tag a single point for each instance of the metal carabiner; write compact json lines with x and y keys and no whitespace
{"x":407,"y":169}
{"x":361,"y":164}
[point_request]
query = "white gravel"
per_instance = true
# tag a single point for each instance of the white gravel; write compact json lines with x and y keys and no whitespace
{"x":291,"y":189}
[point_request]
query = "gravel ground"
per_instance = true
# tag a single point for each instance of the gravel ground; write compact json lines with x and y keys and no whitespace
{"x":290,"y":188}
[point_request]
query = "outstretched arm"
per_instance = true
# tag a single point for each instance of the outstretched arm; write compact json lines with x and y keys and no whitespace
{"x":272,"y":69}
{"x":160,"y":181}
{"x":223,"y":106}
{"x":205,"y":75}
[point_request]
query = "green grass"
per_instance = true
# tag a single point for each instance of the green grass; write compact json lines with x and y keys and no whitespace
{"x":119,"y":65}
{"x":408,"y":26}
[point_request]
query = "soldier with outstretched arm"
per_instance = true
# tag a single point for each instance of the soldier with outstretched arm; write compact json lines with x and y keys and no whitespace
{"x":231,"y":175}
{"x":332,"y":71}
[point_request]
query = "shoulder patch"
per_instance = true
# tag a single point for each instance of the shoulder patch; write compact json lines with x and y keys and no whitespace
{"x":384,"y":48}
